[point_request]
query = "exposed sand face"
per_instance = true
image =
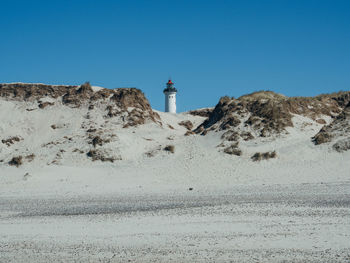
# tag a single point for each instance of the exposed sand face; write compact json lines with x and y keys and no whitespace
{"x":146,"y":167}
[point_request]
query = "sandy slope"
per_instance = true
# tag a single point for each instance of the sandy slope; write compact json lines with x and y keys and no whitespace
{"x":139,"y":208}
{"x":196,"y":161}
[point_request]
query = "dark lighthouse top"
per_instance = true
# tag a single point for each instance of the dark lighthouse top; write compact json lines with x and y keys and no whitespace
{"x":170,"y":87}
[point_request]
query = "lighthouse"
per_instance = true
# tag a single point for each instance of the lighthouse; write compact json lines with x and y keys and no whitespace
{"x":170,"y":97}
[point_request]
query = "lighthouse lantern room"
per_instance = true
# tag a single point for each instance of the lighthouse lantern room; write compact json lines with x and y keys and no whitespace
{"x":170,"y":97}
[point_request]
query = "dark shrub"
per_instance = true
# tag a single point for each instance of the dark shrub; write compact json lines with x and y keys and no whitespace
{"x":169,"y":148}
{"x":16,"y":161}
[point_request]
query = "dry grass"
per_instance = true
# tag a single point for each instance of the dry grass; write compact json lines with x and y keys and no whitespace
{"x":270,"y":113}
{"x":153,"y":152}
{"x":342,"y":145}
{"x":322,"y":137}
{"x":187,"y":124}
{"x":263,"y":94}
{"x":91,"y":130}
{"x":77,"y":150}
{"x":338,"y":127}
{"x":247,"y":136}
{"x":321,"y":121}
{"x":118,"y":100}
{"x":11,"y":140}
{"x":100,"y":155}
{"x":43,"y":105}
{"x":233,"y":149}
{"x":230,"y":136}
{"x":97,"y":140}
{"x":30,"y":157}
{"x":16,"y":161}
{"x":169,"y":148}
{"x":263,"y":156}
{"x":201,"y":112}
{"x":188,"y":133}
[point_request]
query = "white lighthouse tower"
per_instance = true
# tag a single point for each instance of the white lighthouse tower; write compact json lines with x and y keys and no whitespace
{"x":170,"y":97}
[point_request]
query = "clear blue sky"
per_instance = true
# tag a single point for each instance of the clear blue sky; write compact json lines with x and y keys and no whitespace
{"x":209,"y":48}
